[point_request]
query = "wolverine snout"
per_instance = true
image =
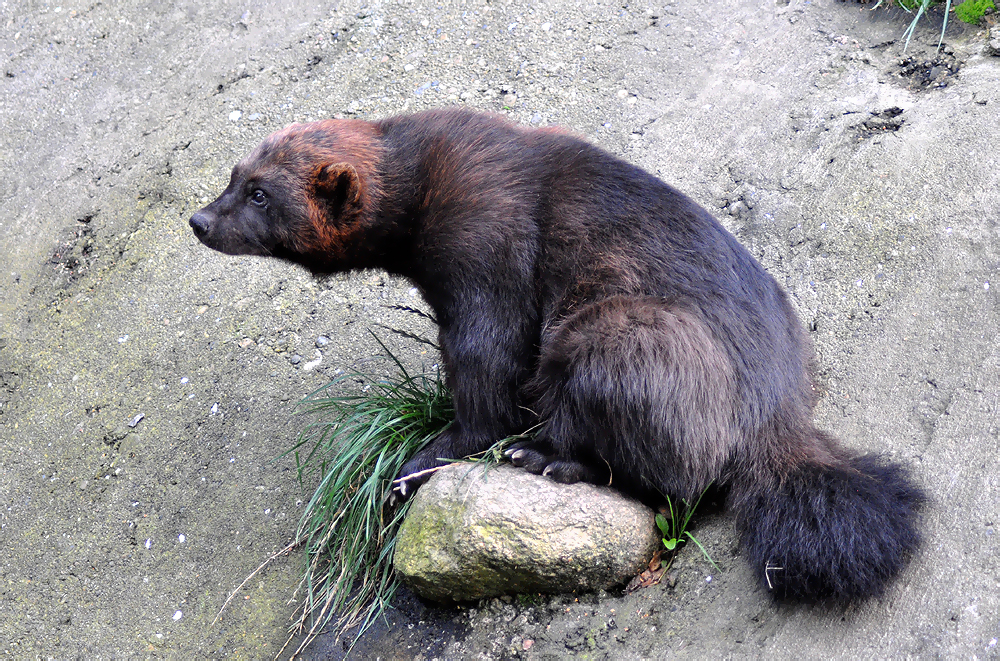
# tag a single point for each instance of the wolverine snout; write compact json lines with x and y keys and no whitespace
{"x":201,"y":223}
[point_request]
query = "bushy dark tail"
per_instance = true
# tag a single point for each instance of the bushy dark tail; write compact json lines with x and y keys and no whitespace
{"x":836,"y":532}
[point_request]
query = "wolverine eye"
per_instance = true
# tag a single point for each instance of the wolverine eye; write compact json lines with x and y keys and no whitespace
{"x":259,"y":198}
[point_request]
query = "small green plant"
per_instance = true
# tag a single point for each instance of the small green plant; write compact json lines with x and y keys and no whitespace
{"x":972,"y":11}
{"x":674,"y":528}
{"x":358,"y":447}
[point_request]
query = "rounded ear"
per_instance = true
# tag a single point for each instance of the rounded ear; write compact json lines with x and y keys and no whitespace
{"x":339,"y":184}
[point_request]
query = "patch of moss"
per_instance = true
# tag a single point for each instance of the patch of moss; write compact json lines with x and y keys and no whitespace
{"x":971,"y":11}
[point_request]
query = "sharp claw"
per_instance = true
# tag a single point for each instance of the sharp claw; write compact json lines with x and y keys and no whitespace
{"x":509,"y":452}
{"x":548,"y":471}
{"x":398,"y":492}
{"x":518,"y":454}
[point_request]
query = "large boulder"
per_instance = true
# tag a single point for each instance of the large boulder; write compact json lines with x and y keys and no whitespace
{"x":471,"y":534}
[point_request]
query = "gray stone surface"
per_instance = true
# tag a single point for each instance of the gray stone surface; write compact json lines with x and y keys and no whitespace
{"x":468,"y":536}
{"x":120,"y":118}
{"x":993,"y":45}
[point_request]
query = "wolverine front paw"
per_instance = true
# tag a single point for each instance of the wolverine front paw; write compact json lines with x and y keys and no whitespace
{"x":413,"y":474}
{"x":571,"y":472}
{"x":530,"y":456}
{"x":534,"y":458}
{"x":407,"y":485}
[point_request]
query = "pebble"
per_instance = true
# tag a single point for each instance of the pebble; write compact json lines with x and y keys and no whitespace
{"x":322,"y":341}
{"x":313,"y":363}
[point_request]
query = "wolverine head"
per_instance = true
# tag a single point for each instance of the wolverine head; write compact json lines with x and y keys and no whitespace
{"x":305,"y":194}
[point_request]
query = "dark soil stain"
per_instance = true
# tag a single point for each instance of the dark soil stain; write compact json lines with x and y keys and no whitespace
{"x":922,"y":73}
{"x":886,"y":121}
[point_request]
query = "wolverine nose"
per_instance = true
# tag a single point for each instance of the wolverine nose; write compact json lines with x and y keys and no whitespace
{"x":200,"y":223}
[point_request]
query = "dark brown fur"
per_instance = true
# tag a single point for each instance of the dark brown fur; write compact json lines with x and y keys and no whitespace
{"x":577,"y":291}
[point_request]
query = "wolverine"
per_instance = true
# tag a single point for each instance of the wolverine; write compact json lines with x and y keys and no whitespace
{"x":579,"y":293}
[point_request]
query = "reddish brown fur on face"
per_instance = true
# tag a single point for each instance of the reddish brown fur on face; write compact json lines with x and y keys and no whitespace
{"x":307,"y":155}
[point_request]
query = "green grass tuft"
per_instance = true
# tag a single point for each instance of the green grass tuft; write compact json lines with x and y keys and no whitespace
{"x":356,"y":449}
{"x":674,"y":529}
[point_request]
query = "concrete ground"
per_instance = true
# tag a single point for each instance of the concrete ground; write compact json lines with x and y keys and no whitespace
{"x":148,"y":385}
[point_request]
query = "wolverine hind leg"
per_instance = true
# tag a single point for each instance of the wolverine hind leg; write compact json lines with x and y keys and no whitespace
{"x":636,"y":390}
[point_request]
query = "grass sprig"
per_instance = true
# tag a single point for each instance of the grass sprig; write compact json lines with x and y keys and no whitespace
{"x":674,"y":529}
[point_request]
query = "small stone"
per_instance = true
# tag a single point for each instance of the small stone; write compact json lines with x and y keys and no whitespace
{"x":295,"y":360}
{"x":322,"y":341}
